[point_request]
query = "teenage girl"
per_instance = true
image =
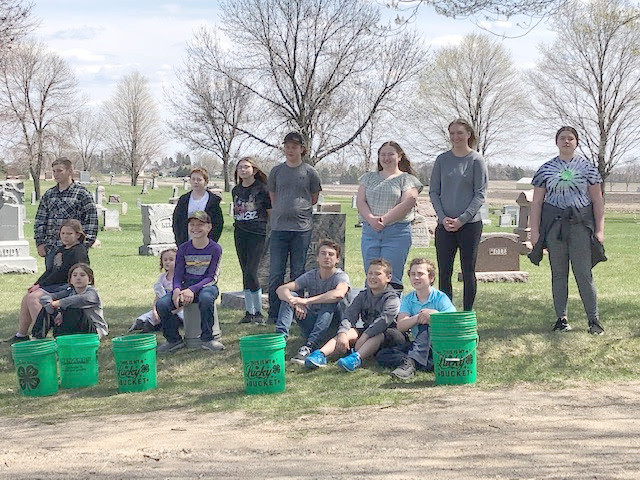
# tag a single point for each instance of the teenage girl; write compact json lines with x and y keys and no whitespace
{"x":76,"y":309}
{"x":71,"y":251}
{"x":150,"y":321}
{"x":251,"y":206}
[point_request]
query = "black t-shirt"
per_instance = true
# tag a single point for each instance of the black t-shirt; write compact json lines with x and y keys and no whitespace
{"x":63,"y":260}
{"x":250,"y":205}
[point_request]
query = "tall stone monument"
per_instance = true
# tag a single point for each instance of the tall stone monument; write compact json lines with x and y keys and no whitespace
{"x":14,"y":249}
{"x":157,"y":230}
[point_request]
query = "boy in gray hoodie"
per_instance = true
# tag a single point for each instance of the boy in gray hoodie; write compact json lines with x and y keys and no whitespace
{"x":373,"y":310}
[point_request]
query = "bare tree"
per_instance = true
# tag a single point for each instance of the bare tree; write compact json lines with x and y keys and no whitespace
{"x":133,"y":128}
{"x":84,"y":130}
{"x":476,"y":81}
{"x":589,"y":77}
{"x":38,"y":91}
{"x":304,"y":61}
{"x":15,"y":22}
{"x":629,"y":171}
{"x":486,"y":8}
{"x":210,"y":108}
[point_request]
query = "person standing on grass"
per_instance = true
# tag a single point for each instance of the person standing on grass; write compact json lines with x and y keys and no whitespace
{"x":194,"y":281}
{"x":199,"y":198}
{"x":567,"y":217}
{"x":67,"y":199}
{"x":386,"y":201}
{"x":458,"y":189}
{"x":294,"y":187}
{"x":327,"y":295}
{"x":251,"y":207}
{"x":415,"y":315}
{"x":365,"y":321}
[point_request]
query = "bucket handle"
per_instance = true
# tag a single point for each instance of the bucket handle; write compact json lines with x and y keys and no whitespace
{"x":465,"y":357}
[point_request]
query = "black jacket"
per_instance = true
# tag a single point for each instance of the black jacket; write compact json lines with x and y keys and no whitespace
{"x":180,"y":218}
{"x":551,"y":215}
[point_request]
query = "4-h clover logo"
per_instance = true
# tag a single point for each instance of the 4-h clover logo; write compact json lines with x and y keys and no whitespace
{"x":144,"y":368}
{"x":276,"y":368}
{"x":28,"y":377}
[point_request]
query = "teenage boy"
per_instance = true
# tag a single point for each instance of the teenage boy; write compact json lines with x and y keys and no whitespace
{"x":415,"y":314}
{"x":326,"y":288}
{"x":194,"y":281}
{"x":365,"y":321}
{"x":67,"y":199}
{"x":294,"y":187}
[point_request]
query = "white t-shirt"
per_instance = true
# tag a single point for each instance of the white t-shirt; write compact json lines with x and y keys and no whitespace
{"x":200,"y":204}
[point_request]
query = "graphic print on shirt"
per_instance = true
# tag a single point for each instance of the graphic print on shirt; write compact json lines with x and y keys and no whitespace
{"x":197,"y":264}
{"x":567,"y":182}
{"x":245,"y":210}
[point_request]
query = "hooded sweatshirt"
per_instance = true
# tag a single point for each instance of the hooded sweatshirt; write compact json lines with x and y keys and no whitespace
{"x":377,"y":312}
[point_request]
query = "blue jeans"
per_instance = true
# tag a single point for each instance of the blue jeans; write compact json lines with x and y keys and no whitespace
{"x":314,"y":326}
{"x":392,"y":244}
{"x":420,"y":350}
{"x":285,"y":245}
{"x":205,"y":299}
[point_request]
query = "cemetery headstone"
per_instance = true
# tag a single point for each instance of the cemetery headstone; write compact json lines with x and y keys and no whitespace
{"x":512,"y":210}
{"x":124,"y":208}
{"x":111,"y":220}
{"x":14,"y":249}
{"x":33,"y":198}
{"x":12,"y":192}
{"x":144,"y":187}
{"x":157,"y":231}
{"x":420,"y":235}
{"x":329,"y":207}
{"x":505,"y":220}
{"x":484,"y":214}
{"x":353,"y":201}
{"x":85,"y":177}
{"x":185,"y":184}
{"x":100,"y":195}
{"x":499,"y":259}
{"x":114,"y":198}
{"x":111,"y":180}
{"x":174,"y":191}
{"x":154,"y":183}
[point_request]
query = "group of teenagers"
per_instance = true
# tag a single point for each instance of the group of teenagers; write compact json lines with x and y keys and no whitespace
{"x":567,"y":218}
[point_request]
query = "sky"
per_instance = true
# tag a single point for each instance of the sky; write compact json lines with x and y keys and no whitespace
{"x":105,"y":40}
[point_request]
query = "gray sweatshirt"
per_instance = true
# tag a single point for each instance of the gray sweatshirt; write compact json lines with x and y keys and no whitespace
{"x":458,"y":186}
{"x":88,"y":301}
{"x":376,"y":311}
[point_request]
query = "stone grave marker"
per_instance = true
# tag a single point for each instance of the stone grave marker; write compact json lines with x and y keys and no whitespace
{"x":174,"y":191}
{"x":111,"y":220}
{"x":484,"y":214}
{"x":154,"y":183}
{"x":157,"y":231}
{"x":185,"y":184}
{"x":100,"y":195}
{"x":33,"y":198}
{"x":14,"y":249}
{"x":499,"y":259}
{"x":505,"y":220}
{"x":329,"y":207}
{"x":144,"y":187}
{"x":353,"y":201}
{"x":420,"y":234}
{"x":514,"y":211}
{"x":124,"y":208}
{"x":114,"y":198}
{"x":12,"y":192}
{"x":85,"y":176}
{"x":111,"y":180}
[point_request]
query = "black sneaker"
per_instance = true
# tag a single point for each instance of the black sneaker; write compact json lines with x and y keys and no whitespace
{"x":302,"y":355}
{"x":248,"y":318}
{"x":16,"y":339}
{"x":258,"y":319}
{"x":406,"y":370}
{"x":562,"y":325}
{"x":595,"y":327}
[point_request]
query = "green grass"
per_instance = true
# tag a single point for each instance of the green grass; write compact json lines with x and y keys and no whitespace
{"x":515,"y":320}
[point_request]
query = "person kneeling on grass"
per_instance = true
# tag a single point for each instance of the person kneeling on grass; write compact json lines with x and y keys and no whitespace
{"x":194,"y":281}
{"x":415,"y":315}
{"x":365,"y":321}
{"x":327,"y":288}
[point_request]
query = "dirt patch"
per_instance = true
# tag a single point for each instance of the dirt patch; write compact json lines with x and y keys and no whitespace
{"x":454,"y":433}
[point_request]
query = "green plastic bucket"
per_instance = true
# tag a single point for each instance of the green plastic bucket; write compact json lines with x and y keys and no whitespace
{"x":36,"y":367}
{"x":78,"y":358}
{"x":263,"y":363}
{"x":454,"y":359}
{"x":135,"y":358}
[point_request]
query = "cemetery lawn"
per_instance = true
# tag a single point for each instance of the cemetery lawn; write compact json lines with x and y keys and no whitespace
{"x":515,"y":321}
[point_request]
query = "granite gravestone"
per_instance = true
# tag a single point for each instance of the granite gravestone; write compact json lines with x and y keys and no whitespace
{"x":124,"y":208}
{"x":85,"y":177}
{"x":12,"y":192}
{"x":157,"y":231}
{"x":329,"y":207}
{"x":484,"y":214}
{"x":100,"y":195}
{"x":114,"y":198}
{"x":505,"y":220}
{"x":144,"y":187}
{"x":111,"y":220}
{"x":514,"y":211}
{"x":325,"y":225}
{"x":14,"y":249}
{"x":420,"y":235}
{"x":185,"y":184}
{"x":499,"y":259}
{"x":154,"y":183}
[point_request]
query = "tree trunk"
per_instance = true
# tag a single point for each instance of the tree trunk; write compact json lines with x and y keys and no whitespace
{"x":36,"y":182}
{"x":225,"y":172}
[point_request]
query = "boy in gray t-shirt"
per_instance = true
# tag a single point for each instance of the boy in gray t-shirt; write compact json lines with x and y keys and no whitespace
{"x":314,"y":299}
{"x":294,"y":187}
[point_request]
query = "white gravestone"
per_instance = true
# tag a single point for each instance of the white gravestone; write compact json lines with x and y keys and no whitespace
{"x":14,"y":249}
{"x":505,"y":220}
{"x":85,"y":177}
{"x":33,"y":198}
{"x":144,"y":187}
{"x":514,"y":211}
{"x":100,"y":195}
{"x":111,"y":220}
{"x":420,"y":235}
{"x":124,"y":207}
{"x":484,"y":214}
{"x":157,"y":228}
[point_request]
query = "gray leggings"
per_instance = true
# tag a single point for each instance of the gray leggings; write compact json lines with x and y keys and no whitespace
{"x":577,"y":248}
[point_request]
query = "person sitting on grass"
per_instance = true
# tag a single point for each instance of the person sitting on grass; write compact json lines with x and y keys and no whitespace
{"x":194,"y":281}
{"x":76,"y":309}
{"x":365,"y":321}
{"x":149,"y":322}
{"x":72,"y":250}
{"x":327,"y":289}
{"x":415,"y":315}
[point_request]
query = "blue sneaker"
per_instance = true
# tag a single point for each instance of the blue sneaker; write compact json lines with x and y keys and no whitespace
{"x":315,"y":359}
{"x":350,"y":362}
